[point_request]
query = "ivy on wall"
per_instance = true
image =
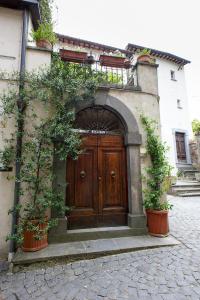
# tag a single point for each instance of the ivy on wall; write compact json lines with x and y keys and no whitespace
{"x":55,"y":92}
{"x":159,"y":171}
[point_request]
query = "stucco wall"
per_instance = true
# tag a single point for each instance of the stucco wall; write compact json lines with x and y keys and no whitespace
{"x":10,"y":54}
{"x":10,"y":50}
{"x":172,"y":117}
{"x":10,"y":38}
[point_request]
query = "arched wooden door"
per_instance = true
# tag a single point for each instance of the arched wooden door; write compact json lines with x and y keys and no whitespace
{"x":97,"y":188}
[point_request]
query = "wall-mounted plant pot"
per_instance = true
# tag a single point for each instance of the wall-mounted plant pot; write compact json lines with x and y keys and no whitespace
{"x":30,"y":244}
{"x":73,"y":56}
{"x":157,"y":222}
{"x":90,"y":59}
{"x":45,"y":44}
{"x":114,"y":61}
{"x":145,"y":58}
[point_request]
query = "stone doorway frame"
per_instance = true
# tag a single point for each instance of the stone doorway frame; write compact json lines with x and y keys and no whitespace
{"x":133,"y":140}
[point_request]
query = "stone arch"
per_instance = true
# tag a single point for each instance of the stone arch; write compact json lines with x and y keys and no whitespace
{"x":133,"y":136}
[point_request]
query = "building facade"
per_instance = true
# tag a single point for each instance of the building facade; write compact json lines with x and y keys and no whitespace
{"x":176,"y":128}
{"x":104,"y":185}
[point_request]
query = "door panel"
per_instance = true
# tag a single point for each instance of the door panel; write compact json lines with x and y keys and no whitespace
{"x":82,"y":186}
{"x":97,"y":183}
{"x":180,"y":146}
{"x":112,"y":189}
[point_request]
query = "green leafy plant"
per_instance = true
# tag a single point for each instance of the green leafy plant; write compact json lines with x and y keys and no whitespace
{"x":6,"y":156}
{"x":55,"y":91}
{"x":159,"y":171}
{"x":46,"y":10}
{"x":44,"y":32}
{"x":144,"y":51}
{"x":196,"y":126}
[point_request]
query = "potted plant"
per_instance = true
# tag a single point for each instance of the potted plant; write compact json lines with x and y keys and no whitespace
{"x":33,"y":222}
{"x":44,"y":36}
{"x":158,"y":173}
{"x":144,"y":56}
{"x":73,"y":55}
{"x":115,"y":60}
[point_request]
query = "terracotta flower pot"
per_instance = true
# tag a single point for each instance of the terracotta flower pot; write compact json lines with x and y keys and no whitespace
{"x":73,"y":56}
{"x":44,"y":44}
{"x":145,"y":58}
{"x":157,"y":222}
{"x":114,"y":61}
{"x":30,"y":244}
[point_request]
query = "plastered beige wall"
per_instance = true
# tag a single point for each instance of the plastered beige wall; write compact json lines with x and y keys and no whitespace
{"x":140,"y":103}
{"x":10,"y":38}
{"x":10,"y":53}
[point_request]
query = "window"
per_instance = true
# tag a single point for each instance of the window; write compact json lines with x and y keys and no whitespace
{"x":179,"y":103}
{"x":172,"y":75}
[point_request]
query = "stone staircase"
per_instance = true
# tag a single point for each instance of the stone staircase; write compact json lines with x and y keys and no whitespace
{"x":186,"y":188}
{"x":189,"y":173}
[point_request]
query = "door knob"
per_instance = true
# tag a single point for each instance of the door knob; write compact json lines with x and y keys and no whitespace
{"x":112,"y":173}
{"x":99,"y":178}
{"x":82,"y":174}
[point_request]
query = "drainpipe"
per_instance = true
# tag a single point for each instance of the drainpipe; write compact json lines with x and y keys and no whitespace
{"x":20,"y":128}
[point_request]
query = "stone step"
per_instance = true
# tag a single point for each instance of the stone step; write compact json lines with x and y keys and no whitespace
{"x":187,"y":189}
{"x":94,"y":234}
{"x":192,"y":194}
{"x":93,"y":248}
{"x":187,"y":185}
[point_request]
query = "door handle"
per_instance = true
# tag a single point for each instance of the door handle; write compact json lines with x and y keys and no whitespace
{"x":112,"y":173}
{"x":82,"y":174}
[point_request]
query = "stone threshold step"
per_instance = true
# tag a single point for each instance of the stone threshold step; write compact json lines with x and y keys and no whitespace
{"x":76,"y":235}
{"x":93,"y":248}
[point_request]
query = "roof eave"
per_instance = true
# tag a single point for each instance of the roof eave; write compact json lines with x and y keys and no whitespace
{"x":33,"y":5}
{"x":168,"y":56}
{"x":89,"y":44}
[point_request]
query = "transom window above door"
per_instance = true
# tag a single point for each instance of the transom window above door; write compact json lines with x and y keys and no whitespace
{"x":98,"y":120}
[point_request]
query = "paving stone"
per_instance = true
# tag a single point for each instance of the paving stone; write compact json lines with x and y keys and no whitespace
{"x":170,"y":273}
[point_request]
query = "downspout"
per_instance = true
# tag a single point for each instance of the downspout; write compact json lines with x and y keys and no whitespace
{"x":20,"y":129}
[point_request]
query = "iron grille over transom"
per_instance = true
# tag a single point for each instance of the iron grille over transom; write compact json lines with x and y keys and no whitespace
{"x":98,"y":120}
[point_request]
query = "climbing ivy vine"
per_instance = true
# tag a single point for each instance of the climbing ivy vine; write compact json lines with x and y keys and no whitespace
{"x":47,"y":112}
{"x":159,"y":171}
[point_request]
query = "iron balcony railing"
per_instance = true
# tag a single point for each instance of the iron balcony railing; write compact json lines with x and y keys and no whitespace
{"x":110,"y":77}
{"x":116,"y":77}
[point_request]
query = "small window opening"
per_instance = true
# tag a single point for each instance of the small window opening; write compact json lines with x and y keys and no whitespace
{"x":179,"y":103}
{"x":172,"y":75}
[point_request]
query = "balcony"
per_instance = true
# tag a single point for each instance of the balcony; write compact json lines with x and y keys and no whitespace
{"x":118,"y":74}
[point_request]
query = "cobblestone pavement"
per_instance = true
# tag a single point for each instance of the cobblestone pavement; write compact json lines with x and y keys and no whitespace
{"x":171,"y":273}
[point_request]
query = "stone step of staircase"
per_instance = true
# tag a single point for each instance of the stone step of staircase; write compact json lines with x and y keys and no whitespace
{"x":189,"y":194}
{"x":94,"y":234}
{"x":186,"y":188}
{"x":190,"y":173}
{"x":93,"y":248}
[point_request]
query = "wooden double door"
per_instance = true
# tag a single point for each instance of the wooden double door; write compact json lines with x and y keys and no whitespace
{"x":96,"y":183}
